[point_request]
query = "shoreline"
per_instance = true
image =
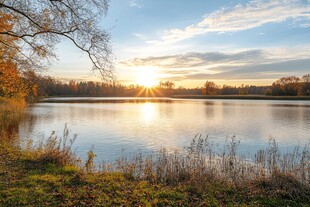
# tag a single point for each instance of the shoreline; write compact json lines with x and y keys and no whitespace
{"x":91,"y":99}
{"x":243,"y":97}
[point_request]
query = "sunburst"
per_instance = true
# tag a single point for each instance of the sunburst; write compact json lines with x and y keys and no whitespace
{"x":146,"y":78}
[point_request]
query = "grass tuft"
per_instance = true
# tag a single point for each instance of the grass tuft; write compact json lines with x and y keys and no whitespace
{"x":57,"y":150}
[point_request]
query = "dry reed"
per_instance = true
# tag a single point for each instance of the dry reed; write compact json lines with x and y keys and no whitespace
{"x":200,"y":163}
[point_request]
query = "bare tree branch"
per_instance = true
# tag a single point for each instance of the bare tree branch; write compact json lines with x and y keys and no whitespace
{"x":43,"y":23}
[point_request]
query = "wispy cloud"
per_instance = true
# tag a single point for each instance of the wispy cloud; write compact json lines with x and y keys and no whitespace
{"x":242,"y":17}
{"x":134,"y":3}
{"x":249,"y":64}
{"x":195,"y":59}
{"x":262,"y":71}
{"x":139,"y":36}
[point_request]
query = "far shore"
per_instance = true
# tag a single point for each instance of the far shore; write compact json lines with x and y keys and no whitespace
{"x":247,"y":97}
{"x":87,"y":99}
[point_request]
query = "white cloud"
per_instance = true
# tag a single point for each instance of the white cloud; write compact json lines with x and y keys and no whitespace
{"x":134,"y":3}
{"x":139,"y":36}
{"x":241,"y":17}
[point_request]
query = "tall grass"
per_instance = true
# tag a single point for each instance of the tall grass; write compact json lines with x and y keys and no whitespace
{"x":200,"y":163}
{"x":11,"y":112}
{"x":56,"y":150}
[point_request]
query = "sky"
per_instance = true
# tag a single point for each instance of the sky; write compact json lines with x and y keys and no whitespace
{"x":189,"y":42}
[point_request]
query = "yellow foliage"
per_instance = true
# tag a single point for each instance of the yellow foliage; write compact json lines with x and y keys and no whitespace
{"x":11,"y":82}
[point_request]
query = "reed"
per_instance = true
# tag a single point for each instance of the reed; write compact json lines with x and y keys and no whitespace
{"x":55,"y":150}
{"x":200,"y":163}
{"x":11,"y":112}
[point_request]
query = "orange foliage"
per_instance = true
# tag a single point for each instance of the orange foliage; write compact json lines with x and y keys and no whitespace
{"x":11,"y":83}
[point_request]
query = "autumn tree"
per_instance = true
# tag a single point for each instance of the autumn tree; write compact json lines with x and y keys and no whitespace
{"x":244,"y":89}
{"x":166,"y":84}
{"x":11,"y":82}
{"x":40,"y":24}
{"x":74,"y":87}
{"x":288,"y":86}
{"x":210,"y":88}
{"x":31,"y":82}
{"x":305,"y":85}
{"x":166,"y":87}
{"x":229,"y":90}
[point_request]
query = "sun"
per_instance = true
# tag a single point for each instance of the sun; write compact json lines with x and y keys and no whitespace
{"x":146,"y":77}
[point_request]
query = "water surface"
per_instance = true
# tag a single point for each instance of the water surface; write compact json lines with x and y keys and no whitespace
{"x":116,"y":126}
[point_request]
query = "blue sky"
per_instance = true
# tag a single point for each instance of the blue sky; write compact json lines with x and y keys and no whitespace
{"x":189,"y":42}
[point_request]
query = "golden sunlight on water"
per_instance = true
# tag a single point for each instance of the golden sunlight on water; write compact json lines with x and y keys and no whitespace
{"x":148,"y":112}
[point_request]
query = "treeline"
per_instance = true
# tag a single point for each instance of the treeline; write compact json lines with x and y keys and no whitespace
{"x":285,"y":86}
{"x":48,"y":86}
{"x":30,"y":84}
{"x":212,"y":89}
{"x":291,"y":86}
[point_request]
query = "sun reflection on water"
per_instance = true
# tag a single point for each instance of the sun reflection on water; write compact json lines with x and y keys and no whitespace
{"x":149,"y":112}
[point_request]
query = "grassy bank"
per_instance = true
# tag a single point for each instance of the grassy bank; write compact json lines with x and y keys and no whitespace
{"x":51,"y":175}
{"x":27,"y":182}
{"x":245,"y":97}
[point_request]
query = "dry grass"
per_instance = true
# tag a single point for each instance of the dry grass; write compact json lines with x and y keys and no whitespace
{"x":55,"y":150}
{"x":200,"y":164}
{"x":281,"y":185}
{"x":11,"y":112}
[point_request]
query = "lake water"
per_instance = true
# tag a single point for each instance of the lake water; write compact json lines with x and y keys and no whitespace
{"x":116,"y":126}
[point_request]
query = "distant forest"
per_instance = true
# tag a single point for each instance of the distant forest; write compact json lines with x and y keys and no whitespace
{"x":285,"y":86}
{"x":48,"y":86}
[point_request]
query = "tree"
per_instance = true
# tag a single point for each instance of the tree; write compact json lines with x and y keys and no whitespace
{"x":305,"y":86}
{"x":229,"y":90}
{"x":11,"y":83}
{"x":31,"y":80}
{"x":166,"y":87}
{"x":288,"y":86}
{"x":211,"y":88}
{"x":244,"y":89}
{"x":40,"y":24}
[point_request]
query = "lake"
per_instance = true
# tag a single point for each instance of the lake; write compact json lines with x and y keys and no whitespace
{"x":124,"y":126}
